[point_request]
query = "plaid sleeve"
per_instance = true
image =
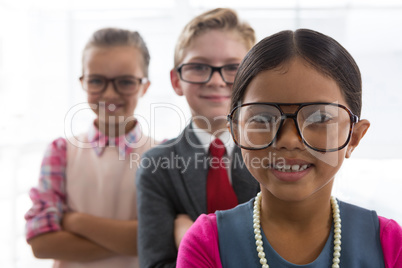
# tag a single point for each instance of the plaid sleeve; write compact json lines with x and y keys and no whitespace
{"x":49,"y":197}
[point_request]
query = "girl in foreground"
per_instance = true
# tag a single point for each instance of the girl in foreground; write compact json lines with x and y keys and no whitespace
{"x":296,"y":107}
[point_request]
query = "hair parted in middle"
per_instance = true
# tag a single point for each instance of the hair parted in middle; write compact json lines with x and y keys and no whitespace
{"x":114,"y":37}
{"x":224,"y":19}
{"x":320,"y":51}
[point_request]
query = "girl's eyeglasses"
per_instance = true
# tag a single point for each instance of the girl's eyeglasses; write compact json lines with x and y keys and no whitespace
{"x":323,"y":127}
{"x":125,"y":85}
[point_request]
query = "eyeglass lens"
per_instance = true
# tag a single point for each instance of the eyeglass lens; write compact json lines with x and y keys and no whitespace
{"x":321,"y":126}
{"x":201,"y":73}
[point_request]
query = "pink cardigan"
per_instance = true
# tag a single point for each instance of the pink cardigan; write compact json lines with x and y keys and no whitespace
{"x":200,"y":246}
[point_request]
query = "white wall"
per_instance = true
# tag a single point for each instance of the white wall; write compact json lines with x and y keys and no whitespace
{"x":40,"y":53}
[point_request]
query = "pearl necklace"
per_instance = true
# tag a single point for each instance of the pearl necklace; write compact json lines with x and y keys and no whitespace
{"x":258,"y":236}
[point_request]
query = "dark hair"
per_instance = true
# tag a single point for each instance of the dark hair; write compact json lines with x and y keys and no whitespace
{"x":322,"y":52}
{"x":111,"y":37}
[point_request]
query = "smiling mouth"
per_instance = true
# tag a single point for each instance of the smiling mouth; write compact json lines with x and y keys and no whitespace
{"x":291,"y":168}
{"x":111,"y":107}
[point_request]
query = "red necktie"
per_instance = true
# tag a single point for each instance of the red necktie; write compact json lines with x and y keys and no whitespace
{"x":220,"y":194}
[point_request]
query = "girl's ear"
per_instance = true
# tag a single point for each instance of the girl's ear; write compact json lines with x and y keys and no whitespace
{"x":145,"y":88}
{"x":175,"y":81}
{"x":359,"y":131}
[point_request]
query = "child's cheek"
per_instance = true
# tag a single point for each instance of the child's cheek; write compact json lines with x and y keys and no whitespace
{"x":93,"y":102}
{"x":92,"y":98}
{"x":330,"y":160}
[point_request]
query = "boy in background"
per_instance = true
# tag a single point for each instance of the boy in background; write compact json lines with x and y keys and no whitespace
{"x":206,"y":172}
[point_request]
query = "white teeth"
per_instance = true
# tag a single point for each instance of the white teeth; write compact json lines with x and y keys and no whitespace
{"x":112,"y":107}
{"x":290,"y":168}
{"x":295,"y":167}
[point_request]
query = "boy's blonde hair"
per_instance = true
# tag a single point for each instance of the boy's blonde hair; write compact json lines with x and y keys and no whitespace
{"x":111,"y":37}
{"x":217,"y":19}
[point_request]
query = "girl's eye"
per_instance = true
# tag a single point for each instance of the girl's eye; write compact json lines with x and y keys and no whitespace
{"x":263,"y":119}
{"x":126,"y":82}
{"x":95,"y":81}
{"x":319,"y":118}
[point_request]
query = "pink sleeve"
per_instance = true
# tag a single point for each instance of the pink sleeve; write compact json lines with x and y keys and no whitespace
{"x":49,"y":197}
{"x":391,"y":241}
{"x":200,"y":247}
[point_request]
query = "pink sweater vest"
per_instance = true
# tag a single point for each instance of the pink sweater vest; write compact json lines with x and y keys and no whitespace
{"x":103,"y":186}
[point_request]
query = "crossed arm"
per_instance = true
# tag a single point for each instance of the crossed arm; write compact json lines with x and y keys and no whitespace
{"x":87,"y":238}
{"x":56,"y":233}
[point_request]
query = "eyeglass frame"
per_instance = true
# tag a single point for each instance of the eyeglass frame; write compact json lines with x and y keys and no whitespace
{"x":142,"y":81}
{"x":353,"y":120}
{"x":213,"y":69}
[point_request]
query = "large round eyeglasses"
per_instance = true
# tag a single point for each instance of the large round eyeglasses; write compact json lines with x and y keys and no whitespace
{"x":198,"y":73}
{"x":125,"y":85}
{"x":323,"y":127}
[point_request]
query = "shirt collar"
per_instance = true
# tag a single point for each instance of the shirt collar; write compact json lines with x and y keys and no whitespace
{"x":100,"y":141}
{"x":206,"y":138}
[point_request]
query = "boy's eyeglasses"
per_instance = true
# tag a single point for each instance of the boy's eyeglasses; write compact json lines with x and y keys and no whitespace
{"x":198,"y":73}
{"x":125,"y":85}
{"x":323,"y":127}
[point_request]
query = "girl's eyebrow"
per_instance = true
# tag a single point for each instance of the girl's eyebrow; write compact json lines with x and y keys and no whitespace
{"x":122,"y":75}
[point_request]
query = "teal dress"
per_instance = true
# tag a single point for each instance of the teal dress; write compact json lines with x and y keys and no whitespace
{"x":361,"y":246}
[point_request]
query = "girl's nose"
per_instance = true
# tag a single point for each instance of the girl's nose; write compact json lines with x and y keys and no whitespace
{"x":288,"y":137}
{"x":110,"y":90}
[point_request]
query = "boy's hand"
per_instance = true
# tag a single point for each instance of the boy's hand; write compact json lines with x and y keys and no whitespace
{"x":181,"y":224}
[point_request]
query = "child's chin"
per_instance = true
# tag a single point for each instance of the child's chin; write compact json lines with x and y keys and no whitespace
{"x":216,"y":113}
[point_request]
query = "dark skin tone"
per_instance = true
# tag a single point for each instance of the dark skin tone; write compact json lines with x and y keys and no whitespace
{"x":295,"y":207}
